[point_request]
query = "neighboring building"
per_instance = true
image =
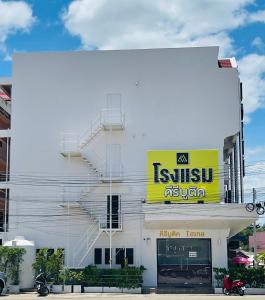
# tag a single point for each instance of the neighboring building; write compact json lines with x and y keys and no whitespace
{"x":5,"y":114}
{"x":260,"y":242}
{"x":133,"y":153}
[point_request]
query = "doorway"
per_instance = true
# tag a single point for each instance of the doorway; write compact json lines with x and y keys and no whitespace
{"x":184,"y":263}
{"x":114,"y":213}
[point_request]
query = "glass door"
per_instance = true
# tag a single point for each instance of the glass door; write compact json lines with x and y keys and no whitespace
{"x":114,"y":212}
{"x":184,"y":262}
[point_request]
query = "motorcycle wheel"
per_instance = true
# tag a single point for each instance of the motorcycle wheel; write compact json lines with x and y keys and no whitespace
{"x":241,"y":292}
{"x":44,"y":291}
{"x":226,"y":292}
{"x":250,"y":207}
{"x":260,"y":210}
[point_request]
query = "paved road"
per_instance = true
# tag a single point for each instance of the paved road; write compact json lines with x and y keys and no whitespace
{"x":30,"y":296}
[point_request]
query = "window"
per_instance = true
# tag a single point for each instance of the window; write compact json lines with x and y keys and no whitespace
{"x":129,"y":255}
{"x":107,"y":256}
{"x":122,"y":253}
{"x":4,"y":201}
{"x":63,"y":254}
{"x":97,"y":256}
{"x":50,"y":252}
{"x":119,"y":256}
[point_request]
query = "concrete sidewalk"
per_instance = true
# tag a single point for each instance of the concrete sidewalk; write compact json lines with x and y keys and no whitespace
{"x":30,"y":296}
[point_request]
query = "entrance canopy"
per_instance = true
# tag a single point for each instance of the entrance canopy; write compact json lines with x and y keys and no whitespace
{"x":233,"y":217}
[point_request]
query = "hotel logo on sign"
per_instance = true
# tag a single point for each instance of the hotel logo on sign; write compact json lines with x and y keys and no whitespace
{"x":182,"y":158}
{"x":183,"y":176}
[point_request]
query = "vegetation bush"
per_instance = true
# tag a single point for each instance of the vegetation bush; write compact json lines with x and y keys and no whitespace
{"x":252,"y":277}
{"x":261,"y":257}
{"x":50,"y":265}
{"x":129,"y":277}
{"x":10,"y":261}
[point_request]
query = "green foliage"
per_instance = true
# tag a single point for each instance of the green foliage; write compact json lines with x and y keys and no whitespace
{"x":251,"y":276}
{"x":219,"y":274}
{"x":40,"y":264}
{"x":67,"y":276}
{"x":4,"y":258}
{"x":261,"y":257}
{"x":10,"y":260}
{"x":78,"y":278}
{"x":55,"y":266}
{"x":15,"y":258}
{"x":50,"y":265}
{"x":128,"y":277}
{"x":243,"y":235}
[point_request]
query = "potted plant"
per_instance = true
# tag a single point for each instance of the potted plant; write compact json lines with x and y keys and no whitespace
{"x":40,"y":264}
{"x":68,"y":278}
{"x":14,"y":259}
{"x":219,"y":276}
{"x":55,"y":266}
{"x":78,"y":278}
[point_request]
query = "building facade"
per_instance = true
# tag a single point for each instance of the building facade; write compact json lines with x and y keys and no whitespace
{"x":132,"y":153}
{"x":260,"y":242}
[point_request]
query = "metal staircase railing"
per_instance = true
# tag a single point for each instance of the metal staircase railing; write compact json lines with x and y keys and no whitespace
{"x":108,"y":118}
{"x":72,"y":145}
{"x":86,"y":243}
{"x":95,"y":127}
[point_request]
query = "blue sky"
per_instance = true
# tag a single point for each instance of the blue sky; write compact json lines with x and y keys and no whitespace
{"x":237,"y":26}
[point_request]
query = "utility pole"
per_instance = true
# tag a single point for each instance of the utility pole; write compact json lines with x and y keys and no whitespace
{"x":7,"y":178}
{"x":254,"y":193}
{"x":110,"y":198}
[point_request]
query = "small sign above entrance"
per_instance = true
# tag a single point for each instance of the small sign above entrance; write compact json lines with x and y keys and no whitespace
{"x":177,"y":234}
{"x":192,"y":254}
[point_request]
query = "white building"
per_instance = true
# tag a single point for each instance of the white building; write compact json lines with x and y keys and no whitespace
{"x":82,"y":128}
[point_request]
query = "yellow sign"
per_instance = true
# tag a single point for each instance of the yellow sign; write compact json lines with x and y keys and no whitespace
{"x":185,"y":176}
{"x":177,"y":234}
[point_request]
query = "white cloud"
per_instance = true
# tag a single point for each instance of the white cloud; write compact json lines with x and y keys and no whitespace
{"x":258,"y":16}
{"x":255,"y":176}
{"x":253,"y":152}
{"x":255,"y":171}
{"x":252,"y":74}
{"x":258,"y":43}
{"x":127,"y":24}
{"x":14,"y":16}
{"x":7,"y":57}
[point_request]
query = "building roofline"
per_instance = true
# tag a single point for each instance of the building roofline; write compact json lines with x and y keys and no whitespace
{"x":6,"y":80}
{"x":214,"y":48}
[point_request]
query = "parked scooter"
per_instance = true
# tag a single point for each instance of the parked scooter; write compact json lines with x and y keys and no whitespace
{"x":233,"y":287}
{"x":41,"y":285}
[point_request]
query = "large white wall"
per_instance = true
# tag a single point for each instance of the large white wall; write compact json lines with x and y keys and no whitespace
{"x":172,"y":99}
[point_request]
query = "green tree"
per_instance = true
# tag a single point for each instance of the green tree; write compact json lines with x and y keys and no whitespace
{"x":15,"y":258}
{"x":243,"y":235}
{"x":55,"y":265}
{"x":3,"y":258}
{"x":10,"y":260}
{"x":261,"y":257}
{"x":50,"y":265}
{"x":40,"y":264}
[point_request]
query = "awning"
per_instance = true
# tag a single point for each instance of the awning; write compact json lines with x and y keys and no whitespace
{"x":233,"y":217}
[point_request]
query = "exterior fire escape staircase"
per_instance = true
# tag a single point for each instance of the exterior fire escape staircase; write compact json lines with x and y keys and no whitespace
{"x":72,"y":145}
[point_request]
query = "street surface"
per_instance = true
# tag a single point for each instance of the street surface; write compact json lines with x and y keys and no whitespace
{"x":30,"y":296}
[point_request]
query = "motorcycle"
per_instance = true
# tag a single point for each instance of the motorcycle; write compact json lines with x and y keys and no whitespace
{"x":233,"y":287}
{"x":41,"y":285}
